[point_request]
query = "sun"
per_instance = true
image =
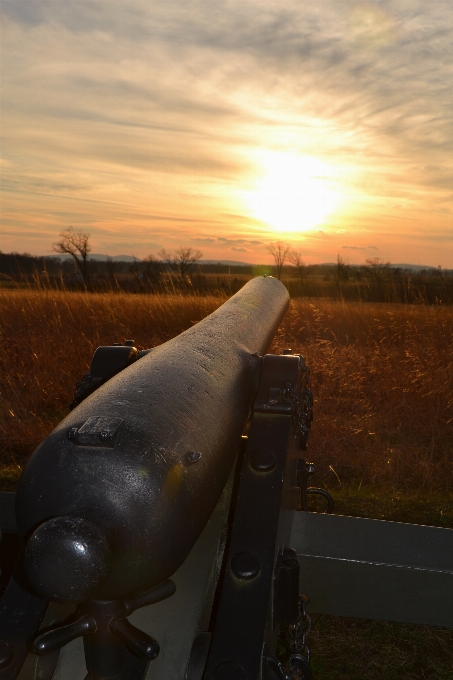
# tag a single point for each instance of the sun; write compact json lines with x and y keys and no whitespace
{"x":292,"y":193}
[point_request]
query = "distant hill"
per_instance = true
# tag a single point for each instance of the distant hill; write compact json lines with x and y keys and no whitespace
{"x":236,"y":263}
{"x":412,"y":267}
{"x":131,"y":258}
{"x":228,"y":263}
{"x":115,"y":258}
{"x":100,"y":257}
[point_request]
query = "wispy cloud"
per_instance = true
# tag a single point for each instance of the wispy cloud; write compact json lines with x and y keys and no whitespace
{"x":149,"y":114}
{"x":360,"y":248}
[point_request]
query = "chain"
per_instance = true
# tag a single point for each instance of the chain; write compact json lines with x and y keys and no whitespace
{"x":299,"y":663}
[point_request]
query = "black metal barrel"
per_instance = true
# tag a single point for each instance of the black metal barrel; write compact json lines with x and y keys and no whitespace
{"x":114,"y":499}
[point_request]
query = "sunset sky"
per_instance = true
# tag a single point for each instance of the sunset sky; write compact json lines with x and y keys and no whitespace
{"x":228,"y":124}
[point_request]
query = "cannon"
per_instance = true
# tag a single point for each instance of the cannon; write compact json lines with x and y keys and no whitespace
{"x":161,"y":530}
{"x":110,"y":505}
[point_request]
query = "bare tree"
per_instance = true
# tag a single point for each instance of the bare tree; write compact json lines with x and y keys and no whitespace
{"x":75,"y":243}
{"x":181,"y":259}
{"x":295,"y":257}
{"x":342,"y":272}
{"x":279,"y":251}
{"x":152,"y":270}
{"x":110,"y":266}
{"x":377,"y":269}
{"x":135,"y":269}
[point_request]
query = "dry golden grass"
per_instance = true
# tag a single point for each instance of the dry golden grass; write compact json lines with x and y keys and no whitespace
{"x":382,"y":377}
{"x":383,"y":385}
{"x":382,"y":374}
{"x":47,"y":340}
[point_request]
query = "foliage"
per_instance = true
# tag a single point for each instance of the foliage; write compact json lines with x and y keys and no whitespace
{"x":373,"y":282}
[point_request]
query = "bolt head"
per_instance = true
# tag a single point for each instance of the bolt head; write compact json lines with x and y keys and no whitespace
{"x":104,"y":435}
{"x":193,"y":456}
{"x":245,"y":566}
{"x":6,"y":654}
{"x":263,"y":461}
{"x":290,"y":563}
{"x":229,"y":671}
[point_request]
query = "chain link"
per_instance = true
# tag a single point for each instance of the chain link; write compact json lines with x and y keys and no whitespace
{"x":299,"y":663}
{"x":298,"y":667}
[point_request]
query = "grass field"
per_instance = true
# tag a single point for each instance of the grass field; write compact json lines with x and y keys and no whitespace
{"x":382,"y":439}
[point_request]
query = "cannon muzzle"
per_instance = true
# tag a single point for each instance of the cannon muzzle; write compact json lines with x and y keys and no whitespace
{"x":111,"y":503}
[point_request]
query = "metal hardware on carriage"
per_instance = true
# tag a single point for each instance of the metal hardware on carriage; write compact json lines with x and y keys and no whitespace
{"x":304,"y":471}
{"x":107,"y":361}
{"x":260,"y":584}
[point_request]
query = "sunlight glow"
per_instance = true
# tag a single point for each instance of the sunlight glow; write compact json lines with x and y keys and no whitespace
{"x":294,"y":193}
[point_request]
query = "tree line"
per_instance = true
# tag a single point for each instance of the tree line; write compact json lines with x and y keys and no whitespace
{"x":181,"y":269}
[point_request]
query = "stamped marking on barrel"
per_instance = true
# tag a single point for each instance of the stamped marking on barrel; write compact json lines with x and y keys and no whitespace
{"x":96,"y":431}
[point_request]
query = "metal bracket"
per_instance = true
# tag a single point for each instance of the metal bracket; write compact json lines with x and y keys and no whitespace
{"x":286,"y":587}
{"x":241,"y":622}
{"x":107,"y":361}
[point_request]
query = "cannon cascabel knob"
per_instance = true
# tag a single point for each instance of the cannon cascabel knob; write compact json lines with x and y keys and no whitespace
{"x":67,"y":559}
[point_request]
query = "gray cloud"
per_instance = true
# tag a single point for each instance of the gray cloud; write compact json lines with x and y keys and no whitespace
{"x":353,"y":247}
{"x":224,"y":239}
{"x":26,"y":12}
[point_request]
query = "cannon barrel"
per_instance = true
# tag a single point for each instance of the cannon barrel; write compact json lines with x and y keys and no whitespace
{"x":113,"y":500}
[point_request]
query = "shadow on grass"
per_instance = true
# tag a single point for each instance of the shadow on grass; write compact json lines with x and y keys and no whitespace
{"x":355,"y":649}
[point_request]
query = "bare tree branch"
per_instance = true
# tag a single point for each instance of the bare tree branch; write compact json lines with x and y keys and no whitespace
{"x":75,"y":243}
{"x":181,"y":259}
{"x":153,"y":270}
{"x":376,"y":269}
{"x":342,"y":272}
{"x":279,"y":251}
{"x":295,"y":257}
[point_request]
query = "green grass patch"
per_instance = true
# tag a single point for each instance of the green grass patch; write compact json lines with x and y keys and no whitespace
{"x":414,"y":507}
{"x":354,"y":649}
{"x":9,"y":476}
{"x":357,"y":649}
